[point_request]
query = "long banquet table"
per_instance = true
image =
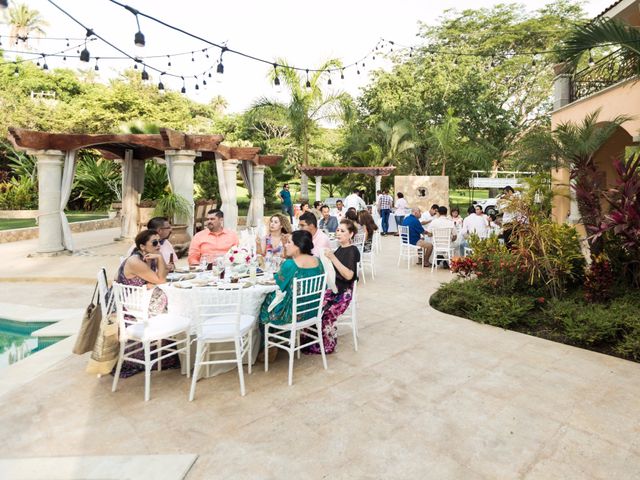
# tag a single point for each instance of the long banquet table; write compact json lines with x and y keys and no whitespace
{"x":185,"y":302}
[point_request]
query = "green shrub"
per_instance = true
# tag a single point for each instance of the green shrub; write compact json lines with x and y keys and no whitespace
{"x":20,"y":193}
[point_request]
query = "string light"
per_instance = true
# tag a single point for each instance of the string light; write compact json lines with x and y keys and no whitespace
{"x":16,"y":72}
{"x":308,"y":84}
{"x":192,"y":59}
{"x":342,"y":74}
{"x":591,"y":62}
{"x":4,"y":4}
{"x":160,"y":84}
{"x":329,"y":81}
{"x":138,"y":38}
{"x":96,"y":68}
{"x":85,"y":56}
{"x":183,"y":90}
{"x":144,"y":75}
{"x":276,"y":80}
{"x":45,"y":66}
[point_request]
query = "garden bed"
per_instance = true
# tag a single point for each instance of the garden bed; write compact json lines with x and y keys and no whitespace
{"x":611,"y":328}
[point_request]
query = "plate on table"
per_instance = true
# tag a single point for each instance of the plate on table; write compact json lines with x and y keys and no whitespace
{"x":184,"y":284}
{"x":181,"y":269}
{"x":177,"y":277}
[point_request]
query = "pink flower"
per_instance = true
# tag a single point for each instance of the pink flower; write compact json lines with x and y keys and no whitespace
{"x":247,"y":259}
{"x":231,"y":258}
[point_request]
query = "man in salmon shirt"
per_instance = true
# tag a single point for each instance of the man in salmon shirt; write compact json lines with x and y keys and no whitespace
{"x":214,"y":240}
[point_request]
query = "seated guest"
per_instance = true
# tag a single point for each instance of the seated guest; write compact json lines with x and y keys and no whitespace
{"x":339,"y":211}
{"x":475,"y":223}
{"x":366,"y":220}
{"x":146,"y":266}
{"x":299,"y":264}
{"x":415,"y":233}
{"x":426,"y":217}
{"x":345,"y":262}
{"x":353,"y":216}
{"x":327,"y":222}
{"x":274,"y":241}
{"x":456,"y":218}
{"x":494,"y":225}
{"x":441,"y":221}
{"x":309,"y":223}
{"x":214,"y":240}
{"x":316,"y":209}
{"x":163,"y":227}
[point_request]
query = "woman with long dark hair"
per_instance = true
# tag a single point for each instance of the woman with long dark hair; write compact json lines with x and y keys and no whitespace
{"x":366,"y":220}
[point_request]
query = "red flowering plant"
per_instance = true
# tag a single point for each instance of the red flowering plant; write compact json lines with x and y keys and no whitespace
{"x":463,"y":266}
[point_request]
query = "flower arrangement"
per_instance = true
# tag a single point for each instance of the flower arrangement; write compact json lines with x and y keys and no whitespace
{"x":240,"y":259}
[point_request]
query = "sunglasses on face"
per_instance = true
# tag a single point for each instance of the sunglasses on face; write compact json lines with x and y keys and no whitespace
{"x":155,"y":243}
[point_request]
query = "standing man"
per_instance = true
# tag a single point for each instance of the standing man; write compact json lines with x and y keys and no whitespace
{"x":309,"y":223}
{"x":384,"y":207}
{"x":354,"y":200}
{"x":286,"y":203}
{"x":214,"y":240}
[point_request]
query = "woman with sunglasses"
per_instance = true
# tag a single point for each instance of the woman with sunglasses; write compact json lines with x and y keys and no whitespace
{"x":146,"y":267}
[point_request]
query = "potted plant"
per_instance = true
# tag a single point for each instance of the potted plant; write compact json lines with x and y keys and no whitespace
{"x":179,"y":211}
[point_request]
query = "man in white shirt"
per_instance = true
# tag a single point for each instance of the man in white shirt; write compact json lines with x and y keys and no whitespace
{"x":354,"y":200}
{"x":426,"y":217}
{"x":309,"y":223}
{"x":474,"y":223}
{"x":339,"y":211}
{"x":441,"y":221}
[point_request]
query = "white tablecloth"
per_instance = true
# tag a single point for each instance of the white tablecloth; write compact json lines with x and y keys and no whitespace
{"x":185,"y":302}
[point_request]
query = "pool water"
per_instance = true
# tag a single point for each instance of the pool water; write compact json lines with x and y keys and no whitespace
{"x":16,"y":342}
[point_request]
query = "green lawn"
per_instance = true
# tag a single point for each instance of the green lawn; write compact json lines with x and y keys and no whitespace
{"x":9,"y":224}
{"x":462,"y":198}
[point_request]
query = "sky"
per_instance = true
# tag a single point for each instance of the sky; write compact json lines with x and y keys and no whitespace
{"x":304,"y":33}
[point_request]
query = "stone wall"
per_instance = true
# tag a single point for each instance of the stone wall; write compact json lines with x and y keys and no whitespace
{"x":76,"y":227}
{"x":13,"y":214}
{"x":423,"y":191}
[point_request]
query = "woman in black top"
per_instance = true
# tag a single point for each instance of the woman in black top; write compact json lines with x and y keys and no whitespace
{"x":345,"y":261}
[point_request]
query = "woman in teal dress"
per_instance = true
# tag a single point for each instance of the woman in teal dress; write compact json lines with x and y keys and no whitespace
{"x":300,"y":264}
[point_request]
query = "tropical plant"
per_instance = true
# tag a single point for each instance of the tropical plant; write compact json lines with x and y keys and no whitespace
{"x":174,"y":207}
{"x":98,"y":182}
{"x":24,"y":22}
{"x":19,"y":193}
{"x":308,"y":105}
{"x":623,"y":219}
{"x":602,"y":32}
{"x":576,"y":146}
{"x":155,"y":180}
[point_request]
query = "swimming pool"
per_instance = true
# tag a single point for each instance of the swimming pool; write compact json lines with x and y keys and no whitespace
{"x":16,"y":342}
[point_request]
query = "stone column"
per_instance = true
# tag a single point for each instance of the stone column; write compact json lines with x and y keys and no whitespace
{"x":378,"y":183}
{"x":574,"y":211}
{"x":181,"y":163}
{"x":304,"y":187}
{"x":318,"y":188}
{"x":561,"y":90}
{"x":258,"y":193}
{"x":50,"y":164}
{"x":132,"y":186}
{"x":231,"y":208}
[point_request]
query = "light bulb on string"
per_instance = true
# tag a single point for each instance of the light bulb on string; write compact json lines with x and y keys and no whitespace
{"x":533,"y":61}
{"x":220,"y":67}
{"x":45,"y":66}
{"x":64,"y":59}
{"x":192,"y":59}
{"x":204,"y":84}
{"x":161,"y":85}
{"x":342,"y":74}
{"x":197,"y":87}
{"x":183,"y":90}
{"x":138,"y":38}
{"x":16,"y":72}
{"x":308,"y":84}
{"x":276,"y":79}
{"x":168,"y":61}
{"x":96,"y":67}
{"x":144,"y":75}
{"x":591,"y":62}
{"x":85,"y":56}
{"x":67,"y":42}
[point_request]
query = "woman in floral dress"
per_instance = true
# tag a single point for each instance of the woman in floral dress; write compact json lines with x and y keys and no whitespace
{"x":146,"y":266}
{"x":345,"y":261}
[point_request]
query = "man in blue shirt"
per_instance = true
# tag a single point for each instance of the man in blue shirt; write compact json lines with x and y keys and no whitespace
{"x":285,"y":198}
{"x":327,"y":222}
{"x":415,"y":233}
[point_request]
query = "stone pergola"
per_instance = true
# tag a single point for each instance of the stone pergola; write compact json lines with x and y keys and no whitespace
{"x":319,"y":172}
{"x":180,"y":151}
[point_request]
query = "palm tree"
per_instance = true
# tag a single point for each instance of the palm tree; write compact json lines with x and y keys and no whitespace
{"x":576,"y":146}
{"x":445,"y":140}
{"x":24,"y":22}
{"x":398,"y":142}
{"x":308,"y":105}
{"x":604,"y":32}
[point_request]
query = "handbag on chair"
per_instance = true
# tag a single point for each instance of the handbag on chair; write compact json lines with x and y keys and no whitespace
{"x":107,"y":346}
{"x":90,"y":326}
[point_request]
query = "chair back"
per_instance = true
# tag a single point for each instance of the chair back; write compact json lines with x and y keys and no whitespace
{"x":106,"y":300}
{"x":358,"y":241}
{"x":219,"y":306}
{"x":132,"y":304}
{"x":404,"y":235}
{"x":442,"y":238}
{"x":308,"y":296}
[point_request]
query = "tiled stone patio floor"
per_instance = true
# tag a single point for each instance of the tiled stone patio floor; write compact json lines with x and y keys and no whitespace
{"x":427,"y":395}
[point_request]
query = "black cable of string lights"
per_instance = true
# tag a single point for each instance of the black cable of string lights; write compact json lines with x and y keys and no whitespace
{"x":39,"y":55}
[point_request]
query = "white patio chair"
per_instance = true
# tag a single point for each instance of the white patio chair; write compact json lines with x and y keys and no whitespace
{"x":350,"y":316}
{"x":358,"y":241}
{"x":376,"y":241}
{"x":308,"y":295}
{"x":407,"y":250}
{"x":220,"y":320}
{"x":141,"y":333}
{"x":442,"y":245}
